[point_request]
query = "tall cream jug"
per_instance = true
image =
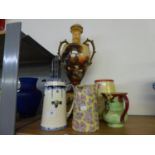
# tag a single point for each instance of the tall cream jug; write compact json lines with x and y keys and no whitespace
{"x":54,"y":115}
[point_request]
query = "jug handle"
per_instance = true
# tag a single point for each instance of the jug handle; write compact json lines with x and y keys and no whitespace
{"x":60,"y":46}
{"x":126,"y":108}
{"x":93,"y":46}
{"x":72,"y":106}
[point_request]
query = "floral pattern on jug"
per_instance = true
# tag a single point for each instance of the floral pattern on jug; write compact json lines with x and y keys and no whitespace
{"x":85,"y":112}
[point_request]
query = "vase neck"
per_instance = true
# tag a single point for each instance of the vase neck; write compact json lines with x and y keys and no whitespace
{"x":76,"y":31}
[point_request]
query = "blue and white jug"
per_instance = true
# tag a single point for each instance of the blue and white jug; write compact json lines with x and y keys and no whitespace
{"x":54,"y":114}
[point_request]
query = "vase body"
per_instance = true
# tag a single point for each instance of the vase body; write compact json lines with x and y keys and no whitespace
{"x":116,"y":108}
{"x":85,"y":111}
{"x":28,"y":97}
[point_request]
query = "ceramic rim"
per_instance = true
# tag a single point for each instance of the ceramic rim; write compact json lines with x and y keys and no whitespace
{"x":85,"y":85}
{"x":53,"y":129}
{"x":104,"y":80}
{"x":55,"y":83}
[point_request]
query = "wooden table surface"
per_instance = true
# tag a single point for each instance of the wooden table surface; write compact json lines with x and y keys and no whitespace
{"x":136,"y":125}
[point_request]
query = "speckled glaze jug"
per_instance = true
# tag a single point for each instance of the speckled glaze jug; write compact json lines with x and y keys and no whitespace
{"x":116,"y":108}
{"x":85,"y":111}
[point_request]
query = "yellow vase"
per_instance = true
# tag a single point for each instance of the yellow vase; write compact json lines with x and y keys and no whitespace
{"x":103,"y":86}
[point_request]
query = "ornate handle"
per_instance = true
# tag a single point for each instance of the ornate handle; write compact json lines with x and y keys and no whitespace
{"x":93,"y":46}
{"x":72,"y":106}
{"x":60,"y":46}
{"x":153,"y":85}
{"x":126,"y":108}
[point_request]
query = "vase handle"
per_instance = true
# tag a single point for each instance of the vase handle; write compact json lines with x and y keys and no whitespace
{"x":60,"y":47}
{"x":153,"y":85}
{"x":126,"y":108}
{"x":93,"y":46}
{"x":72,"y":106}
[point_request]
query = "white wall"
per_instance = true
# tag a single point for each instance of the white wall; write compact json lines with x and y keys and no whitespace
{"x":125,"y":53}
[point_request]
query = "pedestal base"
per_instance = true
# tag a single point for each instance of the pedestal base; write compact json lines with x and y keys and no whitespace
{"x":116,"y":125}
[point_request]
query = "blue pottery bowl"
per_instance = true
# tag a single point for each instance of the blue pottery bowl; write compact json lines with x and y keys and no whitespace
{"x":28,"y":97}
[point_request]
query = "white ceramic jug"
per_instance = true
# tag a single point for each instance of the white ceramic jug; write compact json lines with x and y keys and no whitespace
{"x":54,"y":115}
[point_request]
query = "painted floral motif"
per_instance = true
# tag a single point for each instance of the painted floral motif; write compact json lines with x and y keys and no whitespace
{"x":90,"y":101}
{"x":92,"y":129}
{"x":80,"y":126}
{"x":78,"y":116}
{"x":88,"y":116}
{"x":88,"y":91}
{"x":75,"y":124}
{"x":80,"y":99}
{"x":86,"y":119}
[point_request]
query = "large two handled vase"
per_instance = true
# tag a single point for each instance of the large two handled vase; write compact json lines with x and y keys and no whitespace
{"x":76,"y":56}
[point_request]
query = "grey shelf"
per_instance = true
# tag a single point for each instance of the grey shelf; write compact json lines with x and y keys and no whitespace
{"x":19,"y":50}
{"x":31,"y":52}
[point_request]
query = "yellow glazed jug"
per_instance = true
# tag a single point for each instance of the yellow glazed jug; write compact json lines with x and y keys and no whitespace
{"x":103,"y":86}
{"x":85,"y":111}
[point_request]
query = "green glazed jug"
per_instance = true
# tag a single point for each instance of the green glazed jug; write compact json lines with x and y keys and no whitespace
{"x":116,"y":108}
